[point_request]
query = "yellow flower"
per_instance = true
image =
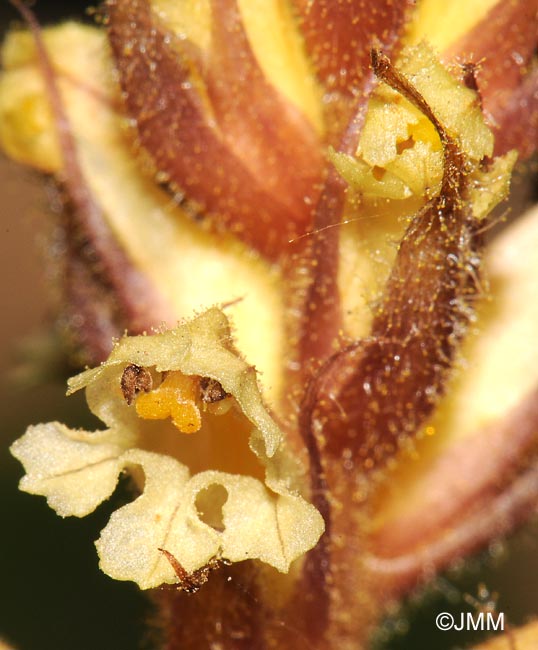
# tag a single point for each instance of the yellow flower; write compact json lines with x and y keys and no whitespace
{"x":314,"y":169}
{"x":77,"y":470}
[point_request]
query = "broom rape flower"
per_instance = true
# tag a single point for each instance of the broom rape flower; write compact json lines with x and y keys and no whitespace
{"x":324,"y":173}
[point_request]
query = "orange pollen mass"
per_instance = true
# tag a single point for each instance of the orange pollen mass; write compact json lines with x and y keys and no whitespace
{"x":176,"y":397}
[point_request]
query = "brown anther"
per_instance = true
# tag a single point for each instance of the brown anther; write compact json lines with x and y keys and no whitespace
{"x":191,"y":582}
{"x":134,"y":380}
{"x":211,"y":390}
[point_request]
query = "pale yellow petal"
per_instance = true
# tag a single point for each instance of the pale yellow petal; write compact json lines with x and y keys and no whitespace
{"x":75,"y":470}
{"x":198,"y":347}
{"x":256,"y":524}
{"x":128,"y":545}
{"x":456,"y":106}
{"x":490,"y":187}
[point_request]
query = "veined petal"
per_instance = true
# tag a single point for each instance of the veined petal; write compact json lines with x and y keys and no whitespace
{"x":78,"y":470}
{"x":129,"y":544}
{"x":75,"y":470}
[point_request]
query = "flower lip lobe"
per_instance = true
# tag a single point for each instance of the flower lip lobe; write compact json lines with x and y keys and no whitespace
{"x":280,"y":525}
{"x":183,"y":412}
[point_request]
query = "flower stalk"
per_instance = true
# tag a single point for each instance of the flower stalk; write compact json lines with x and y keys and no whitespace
{"x":284,"y":211}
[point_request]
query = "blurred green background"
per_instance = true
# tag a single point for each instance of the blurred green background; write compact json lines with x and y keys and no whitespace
{"x":52,"y":595}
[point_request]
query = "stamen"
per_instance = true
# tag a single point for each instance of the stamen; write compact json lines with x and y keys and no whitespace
{"x":176,"y":398}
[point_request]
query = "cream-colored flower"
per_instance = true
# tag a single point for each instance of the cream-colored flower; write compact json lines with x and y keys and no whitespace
{"x":399,"y":153}
{"x":353,"y":230}
{"x":77,"y":470}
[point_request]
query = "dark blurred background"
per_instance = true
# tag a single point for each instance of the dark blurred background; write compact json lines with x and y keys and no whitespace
{"x":52,"y":595}
{"x":48,"y":11}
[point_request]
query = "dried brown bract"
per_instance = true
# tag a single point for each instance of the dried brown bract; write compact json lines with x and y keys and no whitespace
{"x":341,"y":181}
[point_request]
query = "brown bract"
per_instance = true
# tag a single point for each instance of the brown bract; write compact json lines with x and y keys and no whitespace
{"x":214,"y":125}
{"x":502,"y":46}
{"x":370,"y":397}
{"x":245,"y":160}
{"x":338,"y":38}
{"x":383,"y":384}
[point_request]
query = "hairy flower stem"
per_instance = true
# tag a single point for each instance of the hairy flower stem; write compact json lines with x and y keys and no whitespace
{"x":382,"y":383}
{"x":321,"y":321}
{"x":423,"y":316}
{"x":217,"y":131}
